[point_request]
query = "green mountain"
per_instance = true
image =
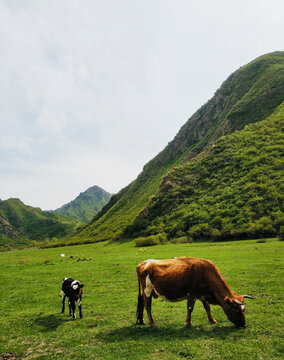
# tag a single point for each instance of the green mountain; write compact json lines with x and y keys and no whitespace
{"x":86,"y":205}
{"x":22,"y":225}
{"x":233,"y":190}
{"x":249,"y":95}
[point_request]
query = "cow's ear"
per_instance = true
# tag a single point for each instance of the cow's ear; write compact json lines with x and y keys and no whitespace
{"x":82,"y":285}
{"x":228,"y":300}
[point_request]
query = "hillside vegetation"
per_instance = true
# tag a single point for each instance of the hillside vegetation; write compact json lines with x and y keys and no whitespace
{"x":249,"y":95}
{"x":86,"y":205}
{"x":233,"y":190}
{"x":22,"y":225}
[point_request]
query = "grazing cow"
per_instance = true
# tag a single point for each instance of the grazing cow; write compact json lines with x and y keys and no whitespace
{"x":187,"y":278}
{"x":73,"y":290}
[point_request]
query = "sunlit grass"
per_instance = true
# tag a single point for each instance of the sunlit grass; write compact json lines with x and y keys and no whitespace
{"x":33,"y":328}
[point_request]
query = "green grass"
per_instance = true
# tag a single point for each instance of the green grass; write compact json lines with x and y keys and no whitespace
{"x":33,"y":328}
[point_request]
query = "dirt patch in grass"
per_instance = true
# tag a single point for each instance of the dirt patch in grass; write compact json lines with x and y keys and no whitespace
{"x":8,"y":356}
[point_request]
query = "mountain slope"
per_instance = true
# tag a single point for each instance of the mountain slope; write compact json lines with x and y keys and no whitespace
{"x":234,"y":190}
{"x":249,"y":95}
{"x":9,"y":236}
{"x":86,"y":205}
{"x":21,"y":224}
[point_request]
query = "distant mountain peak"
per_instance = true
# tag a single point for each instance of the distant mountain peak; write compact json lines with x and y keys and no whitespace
{"x":86,"y":205}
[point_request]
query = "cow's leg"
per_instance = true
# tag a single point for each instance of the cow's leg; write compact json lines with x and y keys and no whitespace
{"x":63,"y":304}
{"x":210,"y":316}
{"x":148,"y":303}
{"x":80,"y":308}
{"x":72,"y":307}
{"x":190,"y":307}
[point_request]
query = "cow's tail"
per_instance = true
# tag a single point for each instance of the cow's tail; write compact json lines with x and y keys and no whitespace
{"x":140,"y":306}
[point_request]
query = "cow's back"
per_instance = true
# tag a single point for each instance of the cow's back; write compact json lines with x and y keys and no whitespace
{"x":175,"y":265}
{"x":174,"y":279}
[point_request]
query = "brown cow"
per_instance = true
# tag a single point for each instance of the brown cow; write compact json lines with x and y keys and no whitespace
{"x":187,"y":278}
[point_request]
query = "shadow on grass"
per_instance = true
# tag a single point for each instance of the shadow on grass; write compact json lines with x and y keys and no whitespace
{"x":166,"y":333}
{"x":50,"y":322}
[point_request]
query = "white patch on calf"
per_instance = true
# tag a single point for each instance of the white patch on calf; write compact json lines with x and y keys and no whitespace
{"x":75,"y":284}
{"x":243,"y":307}
{"x":62,"y":293}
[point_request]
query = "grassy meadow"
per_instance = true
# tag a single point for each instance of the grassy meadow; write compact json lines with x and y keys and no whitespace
{"x":32,"y":327}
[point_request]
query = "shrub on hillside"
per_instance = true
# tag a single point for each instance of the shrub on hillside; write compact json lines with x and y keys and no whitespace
{"x":151,"y":240}
{"x":182,"y":240}
{"x":203,"y":231}
{"x":281,"y":233}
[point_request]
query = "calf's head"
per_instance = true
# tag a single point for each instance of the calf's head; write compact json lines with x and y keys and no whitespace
{"x":76,"y":288}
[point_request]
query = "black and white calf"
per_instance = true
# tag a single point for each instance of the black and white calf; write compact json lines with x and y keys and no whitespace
{"x":73,"y":290}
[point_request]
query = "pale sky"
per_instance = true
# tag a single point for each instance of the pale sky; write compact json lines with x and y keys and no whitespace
{"x":91,"y":90}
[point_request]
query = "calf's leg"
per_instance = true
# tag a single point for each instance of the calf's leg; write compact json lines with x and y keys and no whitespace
{"x":72,"y":306}
{"x":80,"y":308}
{"x":63,"y":304}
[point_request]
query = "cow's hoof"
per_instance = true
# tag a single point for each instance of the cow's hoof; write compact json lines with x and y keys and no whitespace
{"x":213,"y":322}
{"x":153,"y":325}
{"x":189,"y":325}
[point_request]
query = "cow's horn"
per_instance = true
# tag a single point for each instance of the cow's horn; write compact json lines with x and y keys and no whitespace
{"x":238,"y":302}
{"x":248,"y":297}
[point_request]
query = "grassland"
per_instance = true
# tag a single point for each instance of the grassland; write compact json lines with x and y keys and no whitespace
{"x":33,"y":328}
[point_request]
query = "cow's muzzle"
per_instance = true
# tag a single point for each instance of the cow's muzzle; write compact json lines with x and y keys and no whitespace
{"x":242,"y":326}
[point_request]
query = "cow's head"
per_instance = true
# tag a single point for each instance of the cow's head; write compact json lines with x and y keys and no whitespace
{"x":234,"y":308}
